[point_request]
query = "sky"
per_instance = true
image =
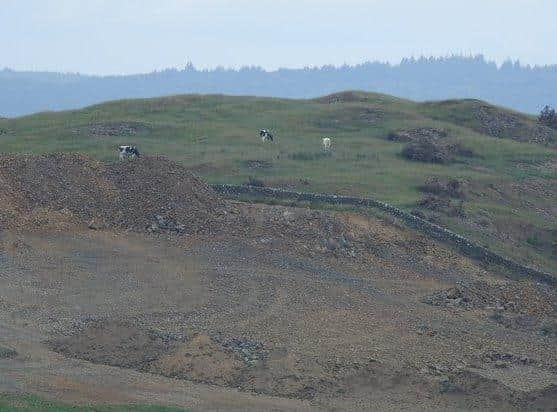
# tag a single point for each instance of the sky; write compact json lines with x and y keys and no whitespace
{"x":138,"y":36}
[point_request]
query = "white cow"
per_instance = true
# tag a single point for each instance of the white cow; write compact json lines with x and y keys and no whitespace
{"x":326,"y":143}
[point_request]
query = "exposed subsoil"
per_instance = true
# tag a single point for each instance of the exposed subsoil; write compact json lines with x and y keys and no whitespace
{"x":121,"y":283}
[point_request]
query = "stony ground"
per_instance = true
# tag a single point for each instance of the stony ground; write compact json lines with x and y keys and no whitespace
{"x":257,"y":308}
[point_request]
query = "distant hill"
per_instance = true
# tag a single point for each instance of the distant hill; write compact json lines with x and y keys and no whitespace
{"x":512,"y":85}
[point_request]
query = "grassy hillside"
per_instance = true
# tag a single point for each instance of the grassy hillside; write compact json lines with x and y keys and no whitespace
{"x":507,"y":162}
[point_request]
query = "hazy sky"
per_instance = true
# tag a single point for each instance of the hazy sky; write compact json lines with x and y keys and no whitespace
{"x":130,"y":36}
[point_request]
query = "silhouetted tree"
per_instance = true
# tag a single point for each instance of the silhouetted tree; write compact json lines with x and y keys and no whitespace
{"x":548,"y":117}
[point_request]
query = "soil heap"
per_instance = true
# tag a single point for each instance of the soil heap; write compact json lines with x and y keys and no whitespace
{"x":129,"y":195}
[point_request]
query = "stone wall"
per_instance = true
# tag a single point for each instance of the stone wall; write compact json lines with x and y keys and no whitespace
{"x":464,"y":245}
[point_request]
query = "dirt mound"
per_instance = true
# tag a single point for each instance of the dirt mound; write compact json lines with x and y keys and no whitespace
{"x":157,"y":186}
{"x":281,"y":372}
{"x":202,"y":358}
{"x":435,"y":150}
{"x":7,"y":353}
{"x":413,"y":134}
{"x":493,"y":121}
{"x":442,"y":205}
{"x":278,"y":371}
{"x":474,"y":384}
{"x":341,"y":97}
{"x":427,"y":150}
{"x":199,"y":358}
{"x":258,"y":164}
{"x":372,"y":114}
{"x":131,"y":195}
{"x":444,"y":187}
{"x":311,"y":231}
{"x":497,"y":123}
{"x":54,"y":182}
{"x":517,"y":297}
{"x":116,"y":129}
{"x":115,"y":344}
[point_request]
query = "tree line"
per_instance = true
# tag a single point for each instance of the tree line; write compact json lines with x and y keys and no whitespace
{"x":521,"y":87}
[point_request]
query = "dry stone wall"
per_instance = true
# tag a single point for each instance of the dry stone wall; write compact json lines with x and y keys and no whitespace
{"x":437,"y":232}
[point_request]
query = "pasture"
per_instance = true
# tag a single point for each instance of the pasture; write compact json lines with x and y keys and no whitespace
{"x":217,"y":138}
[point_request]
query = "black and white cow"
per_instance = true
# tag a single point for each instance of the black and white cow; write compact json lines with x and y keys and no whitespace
{"x":265,"y":135}
{"x":127,"y":152}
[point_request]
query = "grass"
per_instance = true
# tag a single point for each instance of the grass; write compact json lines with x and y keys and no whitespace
{"x":304,"y":156}
{"x":217,"y":136}
{"x":31,"y":403}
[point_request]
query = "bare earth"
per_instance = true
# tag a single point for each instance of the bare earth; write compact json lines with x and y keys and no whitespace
{"x":266,"y":308}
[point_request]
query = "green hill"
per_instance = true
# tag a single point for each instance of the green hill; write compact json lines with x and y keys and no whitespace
{"x":503,"y":162}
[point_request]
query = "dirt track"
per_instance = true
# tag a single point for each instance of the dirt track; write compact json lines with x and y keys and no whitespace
{"x":275,"y":309}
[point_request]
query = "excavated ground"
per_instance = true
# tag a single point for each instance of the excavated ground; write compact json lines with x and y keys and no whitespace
{"x":136,"y":282}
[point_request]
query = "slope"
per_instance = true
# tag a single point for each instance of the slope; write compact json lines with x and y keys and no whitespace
{"x":507,"y":192}
{"x":269,"y":308}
